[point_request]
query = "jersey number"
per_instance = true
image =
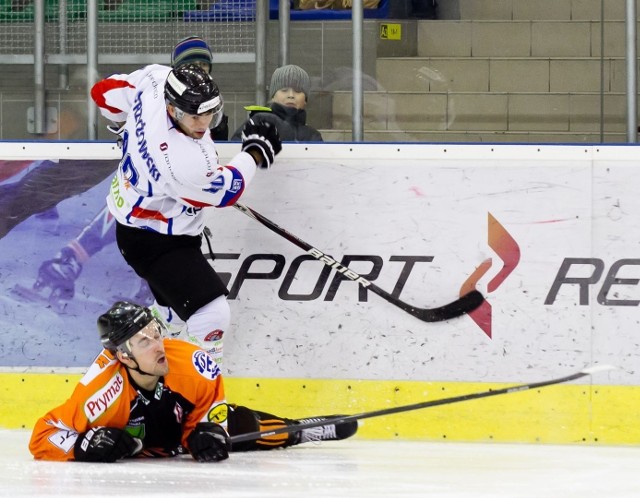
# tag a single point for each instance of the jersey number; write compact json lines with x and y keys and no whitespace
{"x":128,"y":170}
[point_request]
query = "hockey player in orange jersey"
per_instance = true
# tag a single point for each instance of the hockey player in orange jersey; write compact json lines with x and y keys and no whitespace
{"x":149,"y":396}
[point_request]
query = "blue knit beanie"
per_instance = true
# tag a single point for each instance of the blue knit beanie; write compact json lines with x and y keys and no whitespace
{"x":190,"y":50}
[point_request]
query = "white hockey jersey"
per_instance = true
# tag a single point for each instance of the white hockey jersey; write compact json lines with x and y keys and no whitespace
{"x":165,"y":178}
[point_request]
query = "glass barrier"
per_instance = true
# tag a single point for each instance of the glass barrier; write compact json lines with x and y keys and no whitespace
{"x":460,"y":71}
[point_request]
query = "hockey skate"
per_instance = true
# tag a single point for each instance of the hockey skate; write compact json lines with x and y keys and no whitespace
{"x":244,"y":420}
{"x":328,"y":432}
{"x":55,"y":285}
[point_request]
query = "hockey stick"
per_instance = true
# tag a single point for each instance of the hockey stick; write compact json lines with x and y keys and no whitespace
{"x":340,"y":419}
{"x":459,"y":307}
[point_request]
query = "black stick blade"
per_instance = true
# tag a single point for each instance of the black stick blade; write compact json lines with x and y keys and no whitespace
{"x":454,"y":309}
{"x":465,"y":304}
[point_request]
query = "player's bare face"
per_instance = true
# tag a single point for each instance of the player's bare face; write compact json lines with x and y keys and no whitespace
{"x":196,"y":125}
{"x":192,"y":125}
{"x":148,"y":350}
{"x":289,"y":97}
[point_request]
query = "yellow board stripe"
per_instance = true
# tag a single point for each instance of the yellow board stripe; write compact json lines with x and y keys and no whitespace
{"x":566,"y":413}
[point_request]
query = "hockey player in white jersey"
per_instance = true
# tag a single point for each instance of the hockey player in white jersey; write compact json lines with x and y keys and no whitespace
{"x":168,"y":174}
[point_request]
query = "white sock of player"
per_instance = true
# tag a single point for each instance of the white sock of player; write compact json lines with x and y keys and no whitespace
{"x":207,"y":326}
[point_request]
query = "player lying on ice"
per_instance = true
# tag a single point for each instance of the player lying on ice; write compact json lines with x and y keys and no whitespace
{"x":150,"y":396}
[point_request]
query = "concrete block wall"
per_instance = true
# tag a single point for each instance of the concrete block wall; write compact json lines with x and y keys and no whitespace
{"x":542,"y":10}
{"x":529,"y":70}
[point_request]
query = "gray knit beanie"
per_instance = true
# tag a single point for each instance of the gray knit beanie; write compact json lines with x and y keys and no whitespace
{"x":290,"y":76}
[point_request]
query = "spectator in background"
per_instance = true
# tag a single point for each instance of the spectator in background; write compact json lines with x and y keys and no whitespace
{"x":194,"y":50}
{"x":289,"y":90}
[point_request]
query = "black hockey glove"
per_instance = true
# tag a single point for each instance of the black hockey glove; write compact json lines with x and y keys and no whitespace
{"x":105,"y":444}
{"x":208,"y":442}
{"x":263,"y":137}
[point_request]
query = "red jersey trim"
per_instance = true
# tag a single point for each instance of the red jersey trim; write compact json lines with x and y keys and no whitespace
{"x":99,"y":90}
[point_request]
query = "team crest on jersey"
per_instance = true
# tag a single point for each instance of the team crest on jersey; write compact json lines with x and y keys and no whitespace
{"x":236,"y":185}
{"x":214,"y":335}
{"x":218,"y":413}
{"x":205,"y":364}
{"x":97,"y":404}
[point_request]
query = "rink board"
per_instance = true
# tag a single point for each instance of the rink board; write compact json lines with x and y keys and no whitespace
{"x":548,"y":233}
{"x":586,"y":414}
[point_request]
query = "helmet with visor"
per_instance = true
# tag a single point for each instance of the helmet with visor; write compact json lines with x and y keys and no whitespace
{"x":123,"y":321}
{"x":191,"y":90}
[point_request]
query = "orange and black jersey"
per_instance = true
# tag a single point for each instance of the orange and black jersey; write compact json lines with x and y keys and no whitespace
{"x":106,"y":396}
{"x":156,"y":418}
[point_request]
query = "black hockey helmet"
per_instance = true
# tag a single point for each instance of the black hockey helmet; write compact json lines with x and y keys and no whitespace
{"x":192,"y":90}
{"x":121,"y":323}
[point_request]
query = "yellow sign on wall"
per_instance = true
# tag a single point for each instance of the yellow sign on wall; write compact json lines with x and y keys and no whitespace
{"x":391,"y":31}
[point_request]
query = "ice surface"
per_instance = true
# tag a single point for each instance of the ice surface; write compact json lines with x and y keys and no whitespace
{"x":343,"y":469}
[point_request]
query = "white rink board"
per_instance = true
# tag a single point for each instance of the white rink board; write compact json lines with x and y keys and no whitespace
{"x":393,"y":201}
{"x":555,"y":202}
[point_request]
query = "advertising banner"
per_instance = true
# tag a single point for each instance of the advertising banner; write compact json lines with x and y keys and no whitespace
{"x":546,"y":233}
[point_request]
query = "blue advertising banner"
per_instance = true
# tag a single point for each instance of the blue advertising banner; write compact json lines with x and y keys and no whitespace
{"x":60,"y":267}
